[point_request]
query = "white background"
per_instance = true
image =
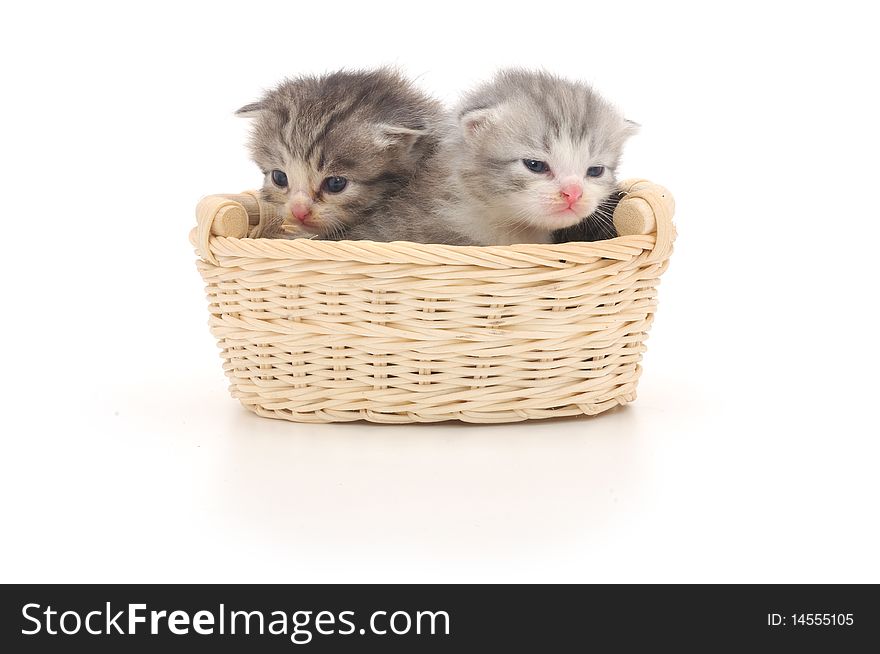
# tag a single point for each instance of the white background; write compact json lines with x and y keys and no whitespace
{"x":750,"y":455}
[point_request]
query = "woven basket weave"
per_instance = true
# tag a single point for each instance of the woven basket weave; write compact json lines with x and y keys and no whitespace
{"x":322,"y":331}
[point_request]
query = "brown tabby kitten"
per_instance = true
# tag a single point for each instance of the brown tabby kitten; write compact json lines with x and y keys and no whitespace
{"x":334,"y":148}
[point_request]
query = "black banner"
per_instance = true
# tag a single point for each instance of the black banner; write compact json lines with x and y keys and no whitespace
{"x":443,"y":618}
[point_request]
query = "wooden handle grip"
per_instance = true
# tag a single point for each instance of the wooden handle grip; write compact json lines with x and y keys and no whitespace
{"x":647,"y":208}
{"x":637,"y":212}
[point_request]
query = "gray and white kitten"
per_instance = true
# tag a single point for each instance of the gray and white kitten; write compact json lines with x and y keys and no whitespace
{"x":333,"y":148}
{"x":525,"y":155}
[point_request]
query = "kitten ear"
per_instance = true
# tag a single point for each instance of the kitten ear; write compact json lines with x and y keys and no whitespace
{"x":250,"y":110}
{"x":474,"y":121}
{"x":631,"y":127}
{"x":387,"y":136}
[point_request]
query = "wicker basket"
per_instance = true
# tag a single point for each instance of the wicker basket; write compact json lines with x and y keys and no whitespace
{"x":322,"y":331}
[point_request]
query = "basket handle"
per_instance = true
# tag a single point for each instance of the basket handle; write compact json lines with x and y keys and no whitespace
{"x":647,"y":208}
{"x":236,"y":216}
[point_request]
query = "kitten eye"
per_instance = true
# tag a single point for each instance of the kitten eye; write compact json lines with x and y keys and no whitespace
{"x":536,"y":166}
{"x":279,"y":178}
{"x":595,"y":171}
{"x":334,"y":184}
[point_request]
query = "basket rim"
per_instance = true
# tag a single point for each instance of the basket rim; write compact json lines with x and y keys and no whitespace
{"x":646,"y":224}
{"x":520,"y":255}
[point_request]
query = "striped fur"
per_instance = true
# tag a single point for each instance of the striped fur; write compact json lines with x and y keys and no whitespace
{"x":372,"y":127}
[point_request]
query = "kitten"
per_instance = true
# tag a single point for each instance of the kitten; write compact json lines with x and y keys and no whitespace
{"x":527,"y":154}
{"x":334,"y":148}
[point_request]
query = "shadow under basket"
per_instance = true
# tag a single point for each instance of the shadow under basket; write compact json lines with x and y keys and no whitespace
{"x":324,"y":331}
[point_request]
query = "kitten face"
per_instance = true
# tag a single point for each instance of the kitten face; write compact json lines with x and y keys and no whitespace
{"x":334,"y":148}
{"x":539,"y":152}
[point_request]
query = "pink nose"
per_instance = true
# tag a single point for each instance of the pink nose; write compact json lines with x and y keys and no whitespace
{"x":572,"y":193}
{"x":301,"y":211}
